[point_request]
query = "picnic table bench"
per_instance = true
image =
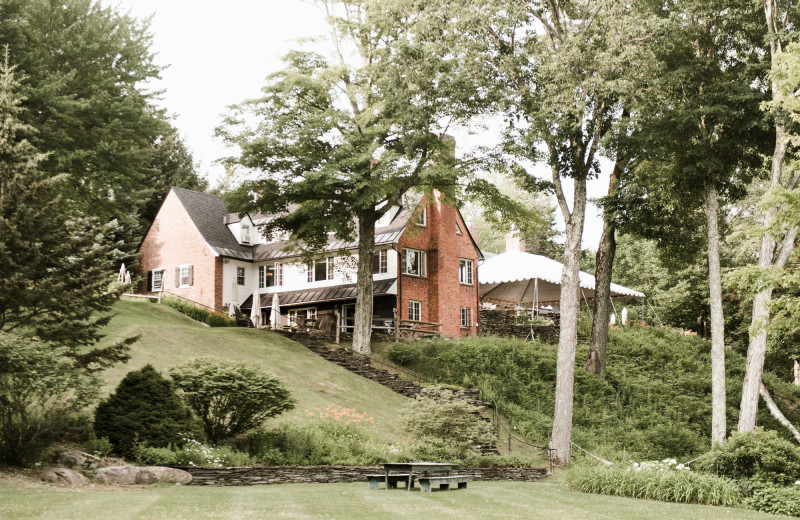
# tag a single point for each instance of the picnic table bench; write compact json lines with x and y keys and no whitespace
{"x":391,"y":480}
{"x":443,"y":482}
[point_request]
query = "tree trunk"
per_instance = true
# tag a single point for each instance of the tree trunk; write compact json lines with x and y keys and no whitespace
{"x":596,"y":363}
{"x":362,"y":332}
{"x":718,"y":420}
{"x":568,"y":336}
{"x":776,"y":412}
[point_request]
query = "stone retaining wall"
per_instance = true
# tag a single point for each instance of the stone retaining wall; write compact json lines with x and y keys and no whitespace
{"x":255,"y":475}
{"x":502,"y":324}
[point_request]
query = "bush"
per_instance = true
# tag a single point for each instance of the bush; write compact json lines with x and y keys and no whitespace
{"x":144,"y":408}
{"x":759,"y":455}
{"x":404,"y":355}
{"x":318,"y":443}
{"x":196,"y":313}
{"x":769,"y":498}
{"x":446,"y":428}
{"x":656,"y":482}
{"x":190,"y":453}
{"x":39,"y":390}
{"x":230,"y":398}
{"x":216,"y":319}
{"x":101,"y":447}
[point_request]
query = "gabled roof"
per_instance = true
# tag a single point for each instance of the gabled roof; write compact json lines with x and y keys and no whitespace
{"x":208,"y":214}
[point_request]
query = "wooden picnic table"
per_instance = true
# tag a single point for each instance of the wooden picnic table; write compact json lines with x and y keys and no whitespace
{"x":424,"y":468}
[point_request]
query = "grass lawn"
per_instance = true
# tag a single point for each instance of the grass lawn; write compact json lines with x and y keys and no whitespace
{"x":169,"y":338}
{"x":549,"y":499}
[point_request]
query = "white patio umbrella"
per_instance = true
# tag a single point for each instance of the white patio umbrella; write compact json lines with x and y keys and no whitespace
{"x":121,"y":275}
{"x":234,"y":300}
{"x":274,"y":318}
{"x":255,"y":311}
{"x":128,"y":277}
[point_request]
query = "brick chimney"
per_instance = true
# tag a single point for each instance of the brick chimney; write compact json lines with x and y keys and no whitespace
{"x":514,"y":242}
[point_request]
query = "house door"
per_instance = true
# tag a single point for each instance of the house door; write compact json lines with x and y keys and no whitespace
{"x":348,"y":317}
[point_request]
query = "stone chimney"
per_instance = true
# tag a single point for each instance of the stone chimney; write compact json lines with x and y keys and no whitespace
{"x":514,"y":242}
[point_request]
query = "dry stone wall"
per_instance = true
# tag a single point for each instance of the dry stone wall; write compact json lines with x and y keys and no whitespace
{"x":261,"y":475}
{"x":502,"y":324}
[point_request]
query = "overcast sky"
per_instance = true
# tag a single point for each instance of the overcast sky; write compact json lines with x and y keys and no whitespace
{"x":219,"y":53}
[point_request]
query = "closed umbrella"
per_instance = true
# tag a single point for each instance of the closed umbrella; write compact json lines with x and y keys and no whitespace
{"x":255,"y":312}
{"x":276,"y":311}
{"x":234,"y":301}
{"x":121,"y":276}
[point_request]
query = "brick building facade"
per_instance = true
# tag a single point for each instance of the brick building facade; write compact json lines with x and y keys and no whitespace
{"x":425,"y":266}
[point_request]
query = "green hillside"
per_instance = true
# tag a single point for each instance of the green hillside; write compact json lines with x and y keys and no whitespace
{"x":169,"y":338}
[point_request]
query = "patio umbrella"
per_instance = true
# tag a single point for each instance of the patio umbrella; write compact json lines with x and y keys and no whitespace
{"x":234,"y":301}
{"x":255,"y":312}
{"x":128,"y":277}
{"x":274,"y":318}
{"x":121,"y":276}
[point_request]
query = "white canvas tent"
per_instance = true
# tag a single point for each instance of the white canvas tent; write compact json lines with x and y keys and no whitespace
{"x":517,"y":277}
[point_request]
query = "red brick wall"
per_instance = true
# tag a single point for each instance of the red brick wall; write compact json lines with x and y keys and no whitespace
{"x":173,"y":240}
{"x":441,"y":294}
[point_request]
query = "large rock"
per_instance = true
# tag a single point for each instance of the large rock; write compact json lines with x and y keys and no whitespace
{"x":162,"y":474}
{"x":128,"y":475}
{"x":78,"y":459}
{"x":63,"y":477}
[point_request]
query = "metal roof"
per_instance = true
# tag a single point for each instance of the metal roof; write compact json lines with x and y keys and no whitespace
{"x":322,"y":294}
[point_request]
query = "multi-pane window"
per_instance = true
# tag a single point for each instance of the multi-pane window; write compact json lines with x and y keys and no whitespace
{"x":422,"y":217}
{"x":380,"y":262}
{"x":240,"y":276}
{"x":322,"y":269}
{"x":415,"y":262}
{"x":270,"y":275}
{"x":156,"y":280}
{"x":466,"y":317}
{"x":245,"y":234}
{"x":414,"y":310}
{"x":465,"y":271}
{"x":184,"y":276}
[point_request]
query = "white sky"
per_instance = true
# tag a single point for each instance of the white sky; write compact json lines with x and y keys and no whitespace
{"x":219,"y":53}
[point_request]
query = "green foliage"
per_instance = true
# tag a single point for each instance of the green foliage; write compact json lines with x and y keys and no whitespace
{"x":319,"y":443}
{"x":444,"y":427}
{"x":100,"y":447}
{"x":215,"y":319}
{"x":758,"y":455}
{"x":404,"y":355}
{"x":190,"y":453}
{"x":144,"y":408}
{"x":210,"y":318}
{"x":656,"y":483}
{"x":230,"y":398}
{"x":777,"y":500}
{"x":39,"y":390}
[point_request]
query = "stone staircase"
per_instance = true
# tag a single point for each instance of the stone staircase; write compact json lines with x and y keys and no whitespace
{"x":359,"y":364}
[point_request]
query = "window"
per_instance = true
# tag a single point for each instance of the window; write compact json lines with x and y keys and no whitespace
{"x":422,"y":217}
{"x":245,"y":234}
{"x":380,"y":262}
{"x":465,"y":271}
{"x":240,"y":276}
{"x":414,"y":310}
{"x":321,"y":270}
{"x":466,"y":317}
{"x":157,"y":280}
{"x":309,"y":313}
{"x":183,"y":276}
{"x":270,"y":275}
{"x":415,"y":262}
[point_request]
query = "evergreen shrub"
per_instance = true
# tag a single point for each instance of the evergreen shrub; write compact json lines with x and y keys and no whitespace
{"x":144,"y":408}
{"x":759,"y":455}
{"x":777,"y":500}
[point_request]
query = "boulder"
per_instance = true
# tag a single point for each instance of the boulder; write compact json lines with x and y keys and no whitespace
{"x":78,"y":459}
{"x":63,"y":477}
{"x":117,"y":475}
{"x":128,"y":475}
{"x":162,"y":474}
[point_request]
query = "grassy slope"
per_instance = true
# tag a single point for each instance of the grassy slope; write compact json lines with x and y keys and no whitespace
{"x":482,"y":500}
{"x":170,"y":338}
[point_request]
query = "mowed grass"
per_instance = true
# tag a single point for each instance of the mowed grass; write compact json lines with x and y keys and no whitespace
{"x":548,"y":499}
{"x":169,"y":338}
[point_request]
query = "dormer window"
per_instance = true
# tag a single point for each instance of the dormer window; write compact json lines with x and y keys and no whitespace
{"x":245,"y":234}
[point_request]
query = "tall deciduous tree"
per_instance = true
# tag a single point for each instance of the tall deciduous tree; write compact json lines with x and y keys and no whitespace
{"x":86,"y":67}
{"x":55,"y":268}
{"x":343,"y":140}
{"x":777,"y":244}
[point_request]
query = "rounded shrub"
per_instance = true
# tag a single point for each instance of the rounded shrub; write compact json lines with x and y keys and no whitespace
{"x":759,"y":455}
{"x":216,"y":319}
{"x":143,"y":409}
{"x":404,"y":355}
